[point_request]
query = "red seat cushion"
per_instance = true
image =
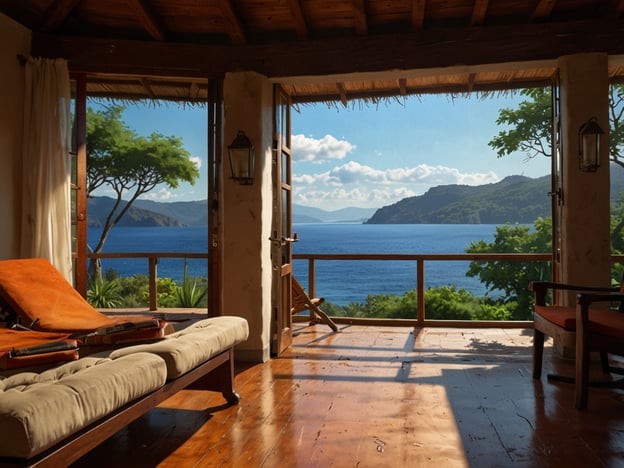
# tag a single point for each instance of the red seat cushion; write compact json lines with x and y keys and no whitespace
{"x":603,"y":321}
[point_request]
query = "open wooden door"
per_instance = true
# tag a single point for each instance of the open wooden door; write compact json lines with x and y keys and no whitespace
{"x":556,"y":192}
{"x":281,"y":228}
{"x":215,"y":228}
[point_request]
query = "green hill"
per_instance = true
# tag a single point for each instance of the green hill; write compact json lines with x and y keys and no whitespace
{"x":515,"y":199}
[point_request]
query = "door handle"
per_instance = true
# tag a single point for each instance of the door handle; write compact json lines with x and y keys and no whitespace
{"x":282,"y":240}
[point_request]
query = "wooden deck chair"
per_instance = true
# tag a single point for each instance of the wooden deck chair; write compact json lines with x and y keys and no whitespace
{"x":582,"y":328}
{"x":302,"y":302}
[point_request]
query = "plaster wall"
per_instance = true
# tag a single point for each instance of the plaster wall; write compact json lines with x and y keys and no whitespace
{"x":14,"y":40}
{"x":585,"y":215}
{"x":246,"y":213}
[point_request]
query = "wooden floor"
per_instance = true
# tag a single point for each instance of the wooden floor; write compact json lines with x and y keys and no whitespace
{"x":377,"y":397}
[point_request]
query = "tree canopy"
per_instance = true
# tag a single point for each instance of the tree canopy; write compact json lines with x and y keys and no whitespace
{"x":530,"y":125}
{"x":513,"y":277}
{"x":130,"y":164}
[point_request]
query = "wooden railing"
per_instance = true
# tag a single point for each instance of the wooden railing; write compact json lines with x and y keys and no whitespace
{"x":420,"y":260}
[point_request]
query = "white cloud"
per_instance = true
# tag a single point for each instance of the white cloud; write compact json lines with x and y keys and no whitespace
{"x":317,"y":151}
{"x":355,"y":184}
{"x":197,"y":161}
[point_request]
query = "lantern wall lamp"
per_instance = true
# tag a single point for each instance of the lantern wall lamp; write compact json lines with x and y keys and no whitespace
{"x":589,"y":145}
{"x":241,"y":155}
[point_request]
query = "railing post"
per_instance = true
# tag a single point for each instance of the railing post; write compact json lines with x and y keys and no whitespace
{"x":311,"y":278}
{"x":420,"y":291}
{"x":153,"y":283}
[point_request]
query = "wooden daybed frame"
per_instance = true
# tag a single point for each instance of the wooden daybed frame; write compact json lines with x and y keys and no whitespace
{"x":216,"y":374}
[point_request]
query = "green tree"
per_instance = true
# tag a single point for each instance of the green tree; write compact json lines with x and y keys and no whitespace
{"x":513,"y":277}
{"x":129,"y":164}
{"x":530,"y":125}
{"x":528,"y":129}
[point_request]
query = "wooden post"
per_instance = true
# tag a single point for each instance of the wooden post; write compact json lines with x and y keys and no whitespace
{"x":153,"y":283}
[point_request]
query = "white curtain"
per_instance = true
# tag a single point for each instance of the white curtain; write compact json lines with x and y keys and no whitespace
{"x":46,"y":209}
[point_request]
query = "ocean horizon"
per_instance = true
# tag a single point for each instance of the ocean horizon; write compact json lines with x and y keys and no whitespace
{"x":340,"y":282}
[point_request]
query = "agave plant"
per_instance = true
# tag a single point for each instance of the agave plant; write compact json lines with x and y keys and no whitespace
{"x":103,"y":294}
{"x":189,"y":295}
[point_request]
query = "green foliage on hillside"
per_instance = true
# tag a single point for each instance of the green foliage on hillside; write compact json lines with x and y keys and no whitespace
{"x":515,"y":199}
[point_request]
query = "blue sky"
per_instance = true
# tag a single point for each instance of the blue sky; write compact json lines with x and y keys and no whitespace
{"x":367,"y":155}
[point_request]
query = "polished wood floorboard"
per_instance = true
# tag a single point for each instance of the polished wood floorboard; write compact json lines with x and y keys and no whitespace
{"x":383,"y":397}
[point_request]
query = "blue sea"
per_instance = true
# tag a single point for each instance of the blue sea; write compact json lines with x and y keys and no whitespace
{"x":339,"y":282}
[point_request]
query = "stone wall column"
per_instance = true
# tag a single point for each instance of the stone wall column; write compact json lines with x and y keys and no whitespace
{"x":246,"y":213}
{"x":585,"y":215}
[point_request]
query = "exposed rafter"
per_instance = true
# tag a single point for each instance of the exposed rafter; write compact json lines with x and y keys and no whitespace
{"x":147,"y":85}
{"x":237,"y":32}
{"x":403,"y":86}
{"x":479,"y":11}
{"x":543,"y":9}
{"x":471,"y":82}
{"x":359,"y":16}
{"x":401,"y":51}
{"x":299,"y":19}
{"x":193,"y":90}
{"x":342,"y":91}
{"x":619,"y":8}
{"x":418,"y":14}
{"x":148,"y":18}
{"x":56,"y":14}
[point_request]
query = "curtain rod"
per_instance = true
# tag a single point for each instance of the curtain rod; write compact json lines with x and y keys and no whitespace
{"x":22,"y":59}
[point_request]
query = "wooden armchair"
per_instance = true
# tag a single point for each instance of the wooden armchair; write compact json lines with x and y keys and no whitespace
{"x":582,"y":328}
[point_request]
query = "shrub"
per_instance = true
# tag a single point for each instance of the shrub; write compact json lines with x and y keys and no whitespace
{"x":104,"y":294}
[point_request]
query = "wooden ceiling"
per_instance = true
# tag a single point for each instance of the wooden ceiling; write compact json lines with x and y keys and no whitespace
{"x":328,"y":50}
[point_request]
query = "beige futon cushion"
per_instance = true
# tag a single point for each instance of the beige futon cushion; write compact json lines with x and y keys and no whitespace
{"x":188,"y":348}
{"x":38,"y":410}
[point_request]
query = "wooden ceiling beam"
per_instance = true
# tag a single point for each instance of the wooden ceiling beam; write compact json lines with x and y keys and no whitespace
{"x":341,"y":55}
{"x":144,"y":11}
{"x":543,"y":9}
{"x":479,"y":12}
{"x":301,"y":27}
{"x":56,"y":14}
{"x":237,"y":31}
{"x":359,"y":16}
{"x":418,"y":14}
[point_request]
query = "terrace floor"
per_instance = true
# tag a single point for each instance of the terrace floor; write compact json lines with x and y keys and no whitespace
{"x":383,"y":396}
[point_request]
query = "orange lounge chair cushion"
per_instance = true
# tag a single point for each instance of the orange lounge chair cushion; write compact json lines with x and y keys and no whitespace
{"x":16,"y":340}
{"x":43,"y":299}
{"x":603,"y":321}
